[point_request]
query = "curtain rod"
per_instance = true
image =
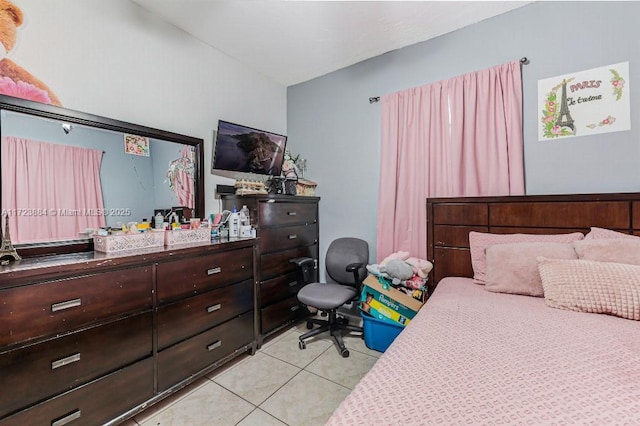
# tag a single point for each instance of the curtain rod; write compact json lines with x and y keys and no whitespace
{"x":373,"y":99}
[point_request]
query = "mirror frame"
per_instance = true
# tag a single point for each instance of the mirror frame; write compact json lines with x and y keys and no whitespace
{"x":90,"y":120}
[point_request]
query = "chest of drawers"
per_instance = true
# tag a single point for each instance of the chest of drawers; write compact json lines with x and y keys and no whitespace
{"x":287,"y":228}
{"x":205,"y":312}
{"x":91,"y":339}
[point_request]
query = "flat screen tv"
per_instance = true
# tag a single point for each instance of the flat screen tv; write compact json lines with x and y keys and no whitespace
{"x":245,"y":149}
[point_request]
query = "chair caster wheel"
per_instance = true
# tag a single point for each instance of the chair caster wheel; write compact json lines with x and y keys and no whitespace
{"x":344,"y":353}
{"x":309,"y":325}
{"x":302,"y":345}
{"x":343,"y":320}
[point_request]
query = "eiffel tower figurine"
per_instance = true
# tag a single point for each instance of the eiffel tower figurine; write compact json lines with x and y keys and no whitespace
{"x":564,"y":118}
{"x":6,"y":249}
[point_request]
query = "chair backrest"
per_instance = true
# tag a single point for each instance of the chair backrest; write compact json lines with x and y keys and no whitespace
{"x":342,"y":252}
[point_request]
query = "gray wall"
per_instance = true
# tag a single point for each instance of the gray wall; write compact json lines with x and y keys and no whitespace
{"x":331,"y":122}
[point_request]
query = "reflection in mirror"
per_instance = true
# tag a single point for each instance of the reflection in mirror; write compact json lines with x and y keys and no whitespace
{"x":60,"y":179}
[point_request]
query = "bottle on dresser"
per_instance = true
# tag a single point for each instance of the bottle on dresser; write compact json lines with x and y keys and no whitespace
{"x":245,"y":216}
{"x":234,"y":223}
{"x":246,"y":231}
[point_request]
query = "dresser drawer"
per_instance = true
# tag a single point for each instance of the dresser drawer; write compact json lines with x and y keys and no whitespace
{"x":180,"y":361}
{"x":281,"y":313}
{"x":188,"y":277}
{"x":189,"y":317}
{"x":279,"y":288}
{"x":94,"y":403}
{"x":284,"y":213}
{"x":273,"y":264}
{"x":63,"y":363}
{"x":274,"y":239}
{"x":59,"y":306}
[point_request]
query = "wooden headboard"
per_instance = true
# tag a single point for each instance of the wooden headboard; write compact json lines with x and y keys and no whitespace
{"x":449,"y":221}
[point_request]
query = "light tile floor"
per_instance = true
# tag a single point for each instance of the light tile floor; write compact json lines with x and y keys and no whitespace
{"x":279,"y":385}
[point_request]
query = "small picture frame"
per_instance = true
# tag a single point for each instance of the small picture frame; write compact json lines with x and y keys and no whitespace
{"x":136,"y":145}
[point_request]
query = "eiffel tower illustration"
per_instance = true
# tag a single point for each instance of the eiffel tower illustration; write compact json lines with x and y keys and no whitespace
{"x":6,"y":249}
{"x":564,"y":118}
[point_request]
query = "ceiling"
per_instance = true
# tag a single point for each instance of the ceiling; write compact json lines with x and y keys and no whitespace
{"x":296,"y":41}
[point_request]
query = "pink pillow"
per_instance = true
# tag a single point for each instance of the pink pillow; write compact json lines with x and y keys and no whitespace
{"x":599,"y":233}
{"x":618,"y":250}
{"x":588,"y":286}
{"x":513,"y":268}
{"x":479,"y":241}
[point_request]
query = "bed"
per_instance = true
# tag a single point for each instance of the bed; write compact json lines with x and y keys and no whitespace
{"x":471,"y":356}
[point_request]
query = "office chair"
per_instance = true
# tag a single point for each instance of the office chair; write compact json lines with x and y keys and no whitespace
{"x":345,"y":262}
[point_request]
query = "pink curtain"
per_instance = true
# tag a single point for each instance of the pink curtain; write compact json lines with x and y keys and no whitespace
{"x":457,"y":137}
{"x":180,"y":176}
{"x":51,"y":191}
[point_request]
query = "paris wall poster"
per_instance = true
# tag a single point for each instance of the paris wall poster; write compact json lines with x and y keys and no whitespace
{"x":584,"y":103}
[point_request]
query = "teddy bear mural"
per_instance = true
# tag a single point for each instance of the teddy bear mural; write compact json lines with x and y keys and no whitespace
{"x":15,"y":80}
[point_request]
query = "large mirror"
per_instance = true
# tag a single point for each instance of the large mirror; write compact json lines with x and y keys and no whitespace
{"x":65,"y":173}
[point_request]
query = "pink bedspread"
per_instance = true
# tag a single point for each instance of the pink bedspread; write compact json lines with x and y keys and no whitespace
{"x":475,"y":357}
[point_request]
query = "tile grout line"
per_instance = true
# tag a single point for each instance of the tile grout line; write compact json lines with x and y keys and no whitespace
{"x":300,"y":370}
{"x":185,"y":389}
{"x":280,"y":387}
{"x":329,"y":380}
{"x":294,"y":331}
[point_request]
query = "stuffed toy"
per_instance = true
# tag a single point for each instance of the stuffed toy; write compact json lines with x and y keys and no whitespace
{"x":402,"y":270}
{"x":374,"y":269}
{"x":421,"y":267}
{"x":15,"y":80}
{"x":398,"y":270}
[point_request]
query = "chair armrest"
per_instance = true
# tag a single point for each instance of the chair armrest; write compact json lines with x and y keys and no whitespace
{"x":354,"y":266}
{"x":301,"y":262}
{"x":306,"y":269}
{"x":355,"y":269}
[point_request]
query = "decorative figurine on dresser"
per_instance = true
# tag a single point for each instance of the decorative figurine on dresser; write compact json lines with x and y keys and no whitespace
{"x":287,"y":228}
{"x":90,"y":337}
{"x":7,"y":251}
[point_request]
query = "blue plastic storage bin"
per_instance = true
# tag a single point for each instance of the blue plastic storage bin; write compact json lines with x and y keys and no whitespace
{"x":379,"y":334}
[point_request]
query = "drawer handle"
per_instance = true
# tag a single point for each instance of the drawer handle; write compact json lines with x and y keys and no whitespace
{"x":67,"y":419}
{"x":291,"y":213}
{"x":293,"y":237}
{"x":293,"y":283}
{"x":214,"y":345}
{"x":66,"y":305}
{"x":65,"y":361}
{"x":295,"y":308}
{"x":213,"y":271}
{"x":214,"y":308}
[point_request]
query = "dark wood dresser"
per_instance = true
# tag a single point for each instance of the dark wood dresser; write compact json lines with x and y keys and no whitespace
{"x":287,"y":228}
{"x":90,"y":338}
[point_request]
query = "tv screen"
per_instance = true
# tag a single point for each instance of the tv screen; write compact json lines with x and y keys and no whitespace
{"x":245,"y":149}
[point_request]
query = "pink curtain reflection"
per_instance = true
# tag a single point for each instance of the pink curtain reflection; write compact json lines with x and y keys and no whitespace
{"x":457,"y":137}
{"x":184,"y":190}
{"x":51,"y":191}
